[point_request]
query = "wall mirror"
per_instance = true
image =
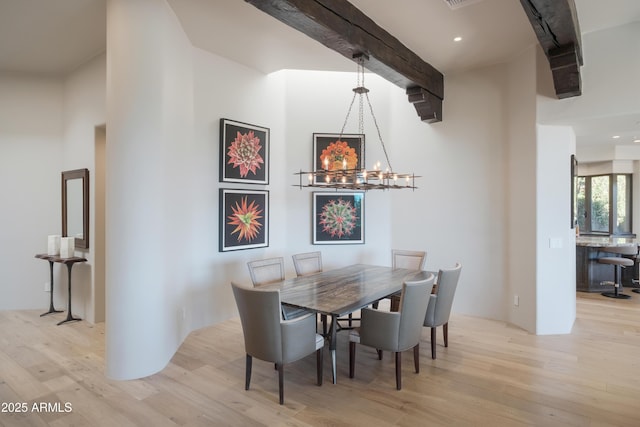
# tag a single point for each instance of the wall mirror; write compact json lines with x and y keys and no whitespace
{"x":75,"y":206}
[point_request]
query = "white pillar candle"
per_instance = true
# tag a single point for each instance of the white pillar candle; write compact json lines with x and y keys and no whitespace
{"x":67,"y":247}
{"x":53,"y":245}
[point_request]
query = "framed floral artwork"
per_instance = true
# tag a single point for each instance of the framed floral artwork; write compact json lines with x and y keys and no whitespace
{"x":244,"y":219}
{"x":338,"y":218}
{"x":334,"y":151}
{"x":244,"y":152}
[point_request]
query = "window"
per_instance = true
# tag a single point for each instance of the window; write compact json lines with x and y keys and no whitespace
{"x":604,"y":204}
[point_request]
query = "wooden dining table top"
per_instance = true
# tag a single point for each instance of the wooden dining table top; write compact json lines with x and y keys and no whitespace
{"x":343,"y":290}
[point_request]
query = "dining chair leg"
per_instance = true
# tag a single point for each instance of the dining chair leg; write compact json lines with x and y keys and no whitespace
{"x":247,"y":373}
{"x":395,"y":304}
{"x":445,"y":331}
{"x":281,"y":382}
{"x":433,"y":343}
{"x":319,"y":363}
{"x":416,"y":358}
{"x":379,"y":354}
{"x":398,"y":370}
{"x":323,"y":318}
{"x":352,"y":358}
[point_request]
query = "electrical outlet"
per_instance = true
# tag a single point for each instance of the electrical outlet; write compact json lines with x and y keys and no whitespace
{"x":516,"y":300}
{"x":47,"y":286}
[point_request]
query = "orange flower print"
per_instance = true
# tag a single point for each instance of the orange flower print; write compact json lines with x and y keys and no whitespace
{"x":334,"y":156}
{"x":246,"y":219}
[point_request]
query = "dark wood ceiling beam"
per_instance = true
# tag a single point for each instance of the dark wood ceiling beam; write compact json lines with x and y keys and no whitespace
{"x":555,"y":23}
{"x":342,"y":27}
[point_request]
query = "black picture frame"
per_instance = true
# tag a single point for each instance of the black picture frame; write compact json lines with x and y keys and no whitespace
{"x":574,"y":195}
{"x":244,"y":152}
{"x":328,"y":207}
{"x":236,"y":208}
{"x":325,"y":147}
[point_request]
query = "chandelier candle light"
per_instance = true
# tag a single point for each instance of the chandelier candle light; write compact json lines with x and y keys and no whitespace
{"x":350,"y":177}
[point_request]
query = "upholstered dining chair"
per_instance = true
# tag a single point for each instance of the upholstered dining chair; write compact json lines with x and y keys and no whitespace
{"x":270,"y":338}
{"x":266,"y":271}
{"x":310,"y":263}
{"x":440,"y":302}
{"x":395,"y":331}
{"x":269,"y":270}
{"x":412,"y":260}
{"x":307,"y":263}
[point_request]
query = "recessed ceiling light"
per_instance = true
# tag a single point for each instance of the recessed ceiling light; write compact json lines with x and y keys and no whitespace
{"x":615,"y":136}
{"x":636,"y":139}
{"x":457,"y":39}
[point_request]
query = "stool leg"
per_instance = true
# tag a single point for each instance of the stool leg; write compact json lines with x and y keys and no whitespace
{"x":617,"y":285}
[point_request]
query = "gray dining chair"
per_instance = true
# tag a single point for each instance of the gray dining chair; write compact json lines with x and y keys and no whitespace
{"x":395,"y":331}
{"x":310,"y":263}
{"x":269,"y":270}
{"x":265,"y":271}
{"x":412,"y":260}
{"x":307,"y":263}
{"x":270,"y":338}
{"x":440,"y":302}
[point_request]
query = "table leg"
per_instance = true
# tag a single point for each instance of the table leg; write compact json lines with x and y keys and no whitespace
{"x":332,"y":345}
{"x":51,"y":309}
{"x":70,"y":317}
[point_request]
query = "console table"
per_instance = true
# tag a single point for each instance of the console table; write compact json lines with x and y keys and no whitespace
{"x":69,"y":263}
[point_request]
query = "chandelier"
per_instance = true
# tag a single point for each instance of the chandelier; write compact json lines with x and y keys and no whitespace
{"x":339,"y":175}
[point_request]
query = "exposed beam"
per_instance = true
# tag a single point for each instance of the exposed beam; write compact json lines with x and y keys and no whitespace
{"x":342,"y":27}
{"x":555,"y":23}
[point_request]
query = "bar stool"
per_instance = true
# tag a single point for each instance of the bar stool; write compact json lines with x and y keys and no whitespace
{"x":636,"y":281}
{"x":618,"y":262}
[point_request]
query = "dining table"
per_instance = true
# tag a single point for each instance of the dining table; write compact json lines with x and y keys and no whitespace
{"x":339,"y":292}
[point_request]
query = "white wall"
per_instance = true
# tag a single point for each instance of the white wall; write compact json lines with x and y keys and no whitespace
{"x":556,"y":240}
{"x":520,"y":182}
{"x":458,"y":213}
{"x":30,"y":163}
{"x":148,"y":152}
{"x":224,"y":89}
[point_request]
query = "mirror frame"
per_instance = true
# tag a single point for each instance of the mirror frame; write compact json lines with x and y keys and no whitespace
{"x":84,"y":175}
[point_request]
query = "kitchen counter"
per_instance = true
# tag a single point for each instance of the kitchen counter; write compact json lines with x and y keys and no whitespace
{"x":589,"y":272}
{"x":603,"y":241}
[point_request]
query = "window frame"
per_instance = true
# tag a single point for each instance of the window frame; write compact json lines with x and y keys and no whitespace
{"x":586,"y":227}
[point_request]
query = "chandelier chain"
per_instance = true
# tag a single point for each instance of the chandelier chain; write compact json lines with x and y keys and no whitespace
{"x":375,"y":122}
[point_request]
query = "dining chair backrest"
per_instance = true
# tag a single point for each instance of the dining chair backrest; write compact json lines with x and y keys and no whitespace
{"x":412,"y":260}
{"x":307,"y":263}
{"x":260,"y":317}
{"x":439,"y":308}
{"x":413,"y":307}
{"x":266,"y":271}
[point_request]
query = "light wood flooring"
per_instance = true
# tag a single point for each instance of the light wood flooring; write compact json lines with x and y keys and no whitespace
{"x":492,"y":374}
